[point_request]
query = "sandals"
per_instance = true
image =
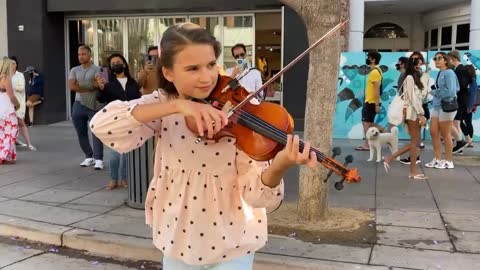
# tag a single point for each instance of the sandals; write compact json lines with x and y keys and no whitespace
{"x":362,"y":148}
{"x":111,"y":185}
{"x":386,"y":166}
{"x":123,"y":184}
{"x":420,"y":176}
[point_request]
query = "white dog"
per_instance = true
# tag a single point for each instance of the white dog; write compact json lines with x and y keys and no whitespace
{"x":377,"y":140}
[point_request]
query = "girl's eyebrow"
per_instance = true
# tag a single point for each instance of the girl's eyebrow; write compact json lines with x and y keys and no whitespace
{"x":190,"y":66}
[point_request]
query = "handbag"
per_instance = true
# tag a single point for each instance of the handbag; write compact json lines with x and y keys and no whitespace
{"x":395,"y":111}
{"x":449,"y":106}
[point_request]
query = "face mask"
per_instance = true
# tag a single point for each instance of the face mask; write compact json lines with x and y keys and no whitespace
{"x":367,"y":61}
{"x":397,"y":66}
{"x":118,"y":69}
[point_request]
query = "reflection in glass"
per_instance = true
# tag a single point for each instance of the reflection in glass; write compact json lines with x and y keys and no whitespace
{"x":386,"y":30}
{"x":110,"y":39}
{"x":209,"y":23}
{"x":143,"y":33}
{"x":237,"y":29}
{"x":86,"y":33}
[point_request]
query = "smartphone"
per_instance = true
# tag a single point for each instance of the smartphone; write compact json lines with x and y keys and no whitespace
{"x":104,"y":73}
{"x":152,"y":60}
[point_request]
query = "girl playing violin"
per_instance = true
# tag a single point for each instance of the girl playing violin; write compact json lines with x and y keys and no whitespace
{"x":207,"y":201}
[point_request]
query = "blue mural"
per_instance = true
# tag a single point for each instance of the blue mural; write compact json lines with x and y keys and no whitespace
{"x":351,"y":90}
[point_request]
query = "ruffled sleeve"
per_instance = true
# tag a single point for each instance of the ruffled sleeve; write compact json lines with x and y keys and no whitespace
{"x":254,"y":192}
{"x":116,"y":127}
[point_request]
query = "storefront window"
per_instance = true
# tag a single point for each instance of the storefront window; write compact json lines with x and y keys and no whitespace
{"x":446,"y":35}
{"x":110,"y":39}
{"x":425,"y":40}
{"x":463,"y":33}
{"x":434,"y":38}
{"x":143,"y":33}
{"x":237,"y":29}
{"x":212,"y":24}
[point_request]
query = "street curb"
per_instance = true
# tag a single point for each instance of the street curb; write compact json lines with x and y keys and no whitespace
{"x":32,"y":230}
{"x":112,"y":245}
{"x":124,"y":247}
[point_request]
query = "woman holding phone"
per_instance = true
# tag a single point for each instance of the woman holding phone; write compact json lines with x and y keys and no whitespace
{"x":118,"y":85}
{"x":148,"y":77}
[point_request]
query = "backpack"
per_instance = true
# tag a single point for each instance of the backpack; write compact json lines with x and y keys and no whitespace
{"x":474,"y":91}
{"x":381,"y":80}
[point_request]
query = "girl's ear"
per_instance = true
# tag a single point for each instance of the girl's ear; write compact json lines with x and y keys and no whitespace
{"x":167,"y":73}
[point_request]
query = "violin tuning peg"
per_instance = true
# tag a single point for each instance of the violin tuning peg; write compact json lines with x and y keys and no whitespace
{"x":328,"y":176}
{"x":339,"y":185}
{"x":337,"y":151}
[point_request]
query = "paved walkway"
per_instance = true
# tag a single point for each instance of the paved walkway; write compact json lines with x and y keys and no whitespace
{"x":432,"y":224}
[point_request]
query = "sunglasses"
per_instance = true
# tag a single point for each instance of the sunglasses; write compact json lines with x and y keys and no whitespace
{"x":239,"y":55}
{"x":438,"y":58}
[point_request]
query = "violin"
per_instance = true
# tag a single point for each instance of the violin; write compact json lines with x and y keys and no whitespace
{"x":261,"y":129}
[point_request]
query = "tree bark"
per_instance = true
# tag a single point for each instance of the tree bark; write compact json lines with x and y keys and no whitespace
{"x":319,"y":17}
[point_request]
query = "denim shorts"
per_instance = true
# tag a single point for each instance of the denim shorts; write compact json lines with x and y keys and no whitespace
{"x":443,"y":116}
{"x":242,"y":263}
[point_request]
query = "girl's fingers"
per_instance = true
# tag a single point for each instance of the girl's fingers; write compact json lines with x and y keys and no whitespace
{"x":306,"y":152}
{"x":217,"y":121}
{"x":312,"y":161}
{"x":208,"y":123}
{"x":289,"y":145}
{"x":295,"y":148}
{"x":198,"y":121}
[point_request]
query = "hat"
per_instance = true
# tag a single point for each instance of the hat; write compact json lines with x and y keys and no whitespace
{"x":455,"y":54}
{"x":403,"y":60}
{"x":30,"y":68}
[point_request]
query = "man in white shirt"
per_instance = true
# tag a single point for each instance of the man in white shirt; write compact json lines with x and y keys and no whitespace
{"x":253,"y":80}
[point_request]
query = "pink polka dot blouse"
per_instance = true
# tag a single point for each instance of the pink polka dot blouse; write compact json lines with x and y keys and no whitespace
{"x":206,"y":202}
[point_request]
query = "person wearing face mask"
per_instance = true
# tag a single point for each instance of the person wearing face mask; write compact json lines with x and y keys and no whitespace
{"x":371,"y":106}
{"x":120,"y":86}
{"x":253,"y":80}
{"x":401,"y":67}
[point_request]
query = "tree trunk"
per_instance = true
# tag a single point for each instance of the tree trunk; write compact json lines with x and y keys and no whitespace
{"x":319,"y":17}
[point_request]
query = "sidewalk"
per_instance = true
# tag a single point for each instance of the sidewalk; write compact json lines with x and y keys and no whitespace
{"x":432,"y":224}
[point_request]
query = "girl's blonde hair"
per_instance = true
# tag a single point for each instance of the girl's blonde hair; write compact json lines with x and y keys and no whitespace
{"x":5,"y":64}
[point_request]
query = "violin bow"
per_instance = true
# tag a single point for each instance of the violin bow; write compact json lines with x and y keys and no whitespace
{"x":287,"y":67}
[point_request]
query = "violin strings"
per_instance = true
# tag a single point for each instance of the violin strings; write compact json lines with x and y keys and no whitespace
{"x":276,"y":133}
{"x":282,"y":135}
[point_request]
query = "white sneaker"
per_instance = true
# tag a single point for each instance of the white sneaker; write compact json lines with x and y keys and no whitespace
{"x":87,"y":162}
{"x":433,"y":163}
{"x":448,"y":164}
{"x":98,"y":164}
{"x":440,"y":165}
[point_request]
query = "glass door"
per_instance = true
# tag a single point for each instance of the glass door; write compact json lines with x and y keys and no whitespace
{"x":142,"y":33}
{"x":110,"y":39}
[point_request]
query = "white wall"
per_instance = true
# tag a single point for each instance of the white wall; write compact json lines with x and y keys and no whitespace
{"x":3,"y":28}
{"x":459,"y":13}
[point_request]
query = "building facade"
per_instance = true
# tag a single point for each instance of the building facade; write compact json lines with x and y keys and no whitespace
{"x":46,"y":34}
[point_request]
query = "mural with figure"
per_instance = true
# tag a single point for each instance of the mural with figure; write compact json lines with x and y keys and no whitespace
{"x":351,"y":90}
